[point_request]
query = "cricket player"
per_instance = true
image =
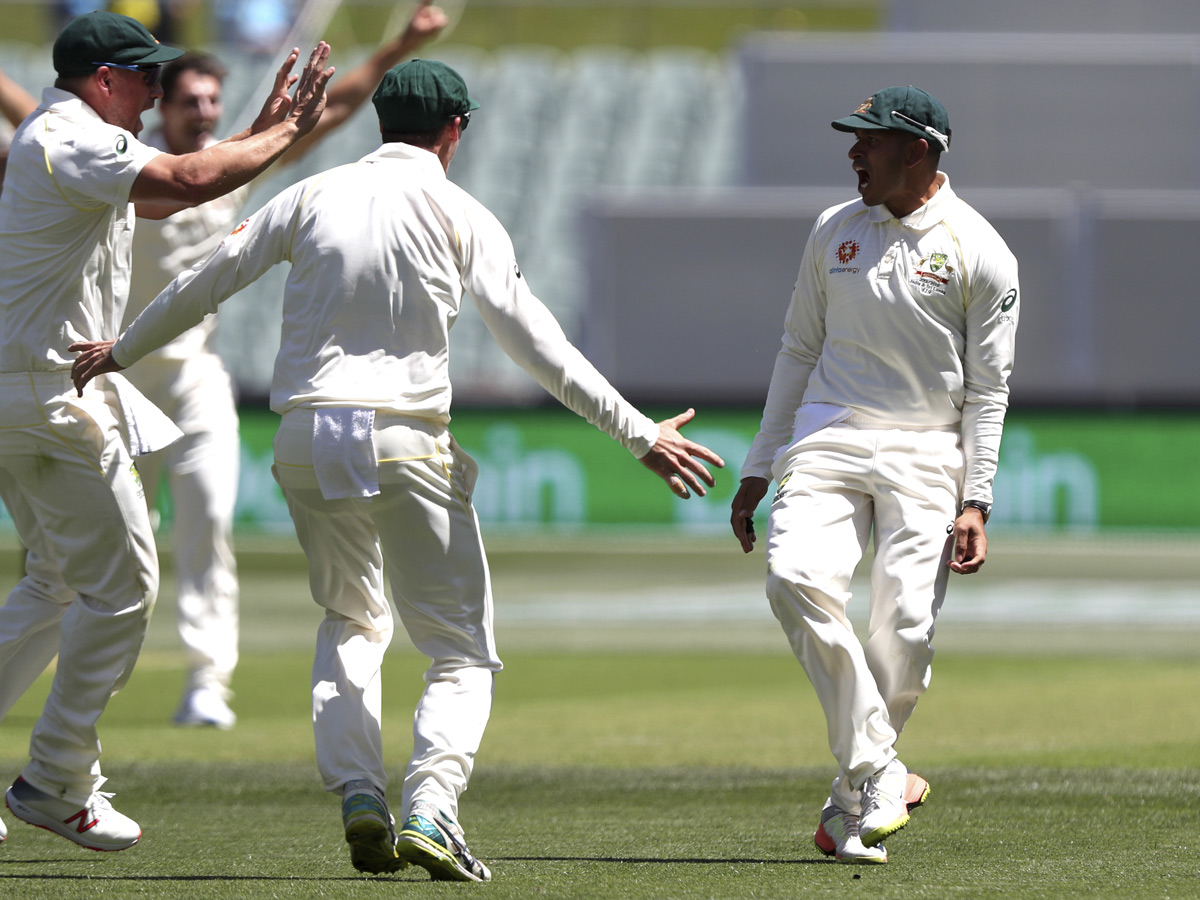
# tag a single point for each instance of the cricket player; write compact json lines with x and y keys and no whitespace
{"x":883,"y":416}
{"x":188,"y":380}
{"x":66,"y":458}
{"x":383,"y":253}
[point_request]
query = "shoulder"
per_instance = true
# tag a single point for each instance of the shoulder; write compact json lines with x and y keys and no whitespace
{"x":468,"y":217}
{"x":835,"y":217}
{"x":834,"y":222}
{"x":90,"y":141}
{"x":974,"y":233}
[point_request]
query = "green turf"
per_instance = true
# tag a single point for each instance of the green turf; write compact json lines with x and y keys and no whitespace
{"x":261,"y":831}
{"x":621,"y":775}
{"x":666,"y":760}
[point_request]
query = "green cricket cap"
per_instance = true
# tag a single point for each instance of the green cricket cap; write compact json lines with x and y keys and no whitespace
{"x":901,"y":109}
{"x":105,"y":37}
{"x":420,"y":96}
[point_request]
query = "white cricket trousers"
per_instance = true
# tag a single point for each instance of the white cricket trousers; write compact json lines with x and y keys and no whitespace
{"x":423,"y":529}
{"x":835,"y":486}
{"x":91,"y":574}
{"x":201,"y":469}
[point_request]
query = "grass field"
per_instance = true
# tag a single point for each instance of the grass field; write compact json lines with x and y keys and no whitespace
{"x":659,"y":760}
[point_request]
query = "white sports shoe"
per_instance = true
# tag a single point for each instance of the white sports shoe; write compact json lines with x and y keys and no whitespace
{"x":837,"y":836}
{"x":205,"y":706}
{"x":96,"y":825}
{"x":884,"y":807}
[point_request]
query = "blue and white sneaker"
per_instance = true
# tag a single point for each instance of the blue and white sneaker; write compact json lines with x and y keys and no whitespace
{"x":370,"y":829}
{"x":435,"y":842}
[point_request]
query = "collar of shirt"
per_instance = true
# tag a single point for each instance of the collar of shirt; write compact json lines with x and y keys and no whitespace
{"x":66,"y":103}
{"x":924,"y":217}
{"x":422,"y":157}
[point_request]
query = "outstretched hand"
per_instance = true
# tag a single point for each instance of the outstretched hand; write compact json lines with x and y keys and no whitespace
{"x":279,"y":102}
{"x":95,"y":358}
{"x":677,"y":460}
{"x":309,"y":100}
{"x":426,"y":23}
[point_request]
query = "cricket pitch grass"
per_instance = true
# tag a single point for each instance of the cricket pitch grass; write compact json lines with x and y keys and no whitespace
{"x":653,"y":767}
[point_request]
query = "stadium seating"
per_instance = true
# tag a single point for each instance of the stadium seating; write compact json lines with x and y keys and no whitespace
{"x":553,"y":127}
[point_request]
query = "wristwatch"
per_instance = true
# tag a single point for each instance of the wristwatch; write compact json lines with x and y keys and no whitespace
{"x":985,"y":508}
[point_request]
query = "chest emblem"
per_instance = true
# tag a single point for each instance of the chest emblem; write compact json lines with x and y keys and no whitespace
{"x":932,"y":274}
{"x":847,"y":250}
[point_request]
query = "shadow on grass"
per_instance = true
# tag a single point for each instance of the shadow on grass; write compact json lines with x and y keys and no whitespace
{"x":353,"y":878}
{"x":694,"y":860}
{"x":233,"y":878}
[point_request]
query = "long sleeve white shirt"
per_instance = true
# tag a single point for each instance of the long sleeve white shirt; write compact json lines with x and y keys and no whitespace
{"x":909,"y":322}
{"x":162,"y":248}
{"x":382,"y":252}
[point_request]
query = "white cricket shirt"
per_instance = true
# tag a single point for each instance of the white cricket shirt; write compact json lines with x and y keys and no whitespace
{"x":162,"y":248}
{"x":909,"y":322}
{"x":382,"y":253}
{"x":66,"y":227}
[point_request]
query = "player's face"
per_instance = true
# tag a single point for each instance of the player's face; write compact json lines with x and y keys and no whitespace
{"x":132,"y":94}
{"x":190,"y":115}
{"x":879,"y":158}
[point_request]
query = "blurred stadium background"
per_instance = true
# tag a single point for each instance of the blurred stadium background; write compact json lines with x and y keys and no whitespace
{"x":659,"y":164}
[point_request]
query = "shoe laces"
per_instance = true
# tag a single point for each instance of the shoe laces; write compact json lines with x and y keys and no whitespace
{"x":875,"y":796}
{"x":840,"y":825}
{"x":438,"y":826}
{"x":101,"y":800}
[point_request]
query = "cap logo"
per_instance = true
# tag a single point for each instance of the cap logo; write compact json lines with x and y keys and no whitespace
{"x":866,"y":105}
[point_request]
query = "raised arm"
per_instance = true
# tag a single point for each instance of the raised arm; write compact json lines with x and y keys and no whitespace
{"x":15,"y":102}
{"x":353,"y":88}
{"x":172,"y":182}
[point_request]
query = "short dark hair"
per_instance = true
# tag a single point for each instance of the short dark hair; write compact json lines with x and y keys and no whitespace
{"x":200,"y":63}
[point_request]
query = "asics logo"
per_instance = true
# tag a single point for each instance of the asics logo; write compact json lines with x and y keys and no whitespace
{"x":83,"y":825}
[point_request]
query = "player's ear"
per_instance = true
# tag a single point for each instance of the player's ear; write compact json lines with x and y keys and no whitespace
{"x":916,"y":152}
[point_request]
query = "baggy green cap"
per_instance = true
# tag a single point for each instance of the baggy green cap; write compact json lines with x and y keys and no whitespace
{"x":901,"y":109}
{"x":105,"y":37}
{"x":420,"y":96}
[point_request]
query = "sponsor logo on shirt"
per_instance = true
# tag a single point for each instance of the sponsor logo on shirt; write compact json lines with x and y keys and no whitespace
{"x":932,"y":274}
{"x":122,"y":143}
{"x":845,"y":252}
{"x":1006,"y":304}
